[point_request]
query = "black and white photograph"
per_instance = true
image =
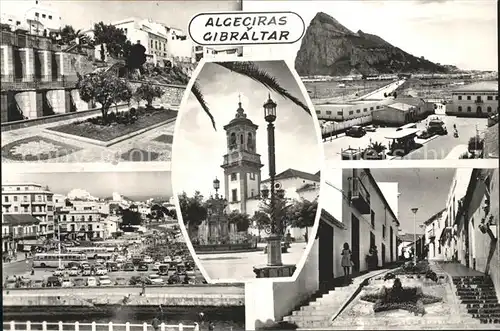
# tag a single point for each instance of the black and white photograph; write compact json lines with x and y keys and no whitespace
{"x":393,"y":256}
{"x":246,"y":160}
{"x":109,"y":239}
{"x":97,"y":81}
{"x":393,"y":80}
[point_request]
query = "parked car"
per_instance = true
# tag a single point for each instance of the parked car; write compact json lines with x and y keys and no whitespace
{"x":53,"y":281}
{"x":59,"y":272}
{"x":79,"y":281}
{"x":436,"y":126}
{"x":370,"y":128}
{"x":86,"y":271}
{"x":167,"y":259}
{"x":10,"y":282}
{"x":136,"y":280}
{"x":37,"y":283}
{"x":91,"y":281}
{"x":100,"y":261}
{"x":101,"y":272}
{"x":74,"y":271}
{"x":163,"y":269}
{"x":355,"y":131}
{"x":104,"y":281}
{"x":154,"y":279}
{"x":66,"y":282}
{"x":147,"y":259}
{"x":142,"y":267}
{"x":156,"y":266}
{"x":128,"y":267}
{"x":112,"y":266}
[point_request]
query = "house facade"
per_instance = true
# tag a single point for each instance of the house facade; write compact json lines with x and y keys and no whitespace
{"x":474,"y":100}
{"x":81,"y":219}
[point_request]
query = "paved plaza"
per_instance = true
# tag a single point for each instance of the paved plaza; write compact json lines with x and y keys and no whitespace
{"x":35,"y":143}
{"x":435,"y":148}
{"x":239,"y":266}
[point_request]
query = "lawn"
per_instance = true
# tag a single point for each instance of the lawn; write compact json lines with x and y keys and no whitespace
{"x":106,"y":133}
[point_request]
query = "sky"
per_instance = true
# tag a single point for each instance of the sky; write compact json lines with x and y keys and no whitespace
{"x":424,"y":188}
{"x":198,"y":149}
{"x":456,"y":32}
{"x":135,"y":185}
{"x":83,"y":14}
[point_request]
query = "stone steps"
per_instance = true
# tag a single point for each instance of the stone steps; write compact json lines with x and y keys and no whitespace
{"x":478,"y":298}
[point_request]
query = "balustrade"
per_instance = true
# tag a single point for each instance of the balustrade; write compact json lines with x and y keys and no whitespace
{"x":77,"y":326}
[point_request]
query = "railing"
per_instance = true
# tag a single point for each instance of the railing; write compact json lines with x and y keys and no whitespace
{"x":358,"y":188}
{"x":11,"y":82}
{"x":28,"y":41}
{"x":478,"y":101}
{"x":76,"y":326}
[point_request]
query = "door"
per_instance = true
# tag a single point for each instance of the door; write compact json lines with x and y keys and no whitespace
{"x":391,"y":243}
{"x":383,"y":255}
{"x":355,"y":242}
{"x":325,"y":232}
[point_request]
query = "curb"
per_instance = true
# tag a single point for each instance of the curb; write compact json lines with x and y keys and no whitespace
{"x":110,"y":142}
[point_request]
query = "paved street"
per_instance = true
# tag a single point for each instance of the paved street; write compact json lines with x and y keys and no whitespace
{"x":379,"y":94}
{"x":434,"y":149}
{"x":239,"y":266}
{"x":149,"y":142}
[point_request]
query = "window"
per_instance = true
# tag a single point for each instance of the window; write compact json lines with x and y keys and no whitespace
{"x":25,"y":209}
{"x":365,"y":109}
{"x":479,"y":109}
{"x":49,"y":208}
{"x":37,"y":14}
{"x":358,"y":111}
{"x":16,"y":209}
{"x":18,"y":22}
{"x":459,"y":97}
{"x":478,"y":98}
{"x":6,"y":199}
{"x":234,"y":195}
{"x":459,"y":108}
{"x":371,"y":108}
{"x":44,"y":16}
{"x":19,"y":189}
{"x":318,"y":112}
{"x":468,"y":97}
{"x":15,"y":198}
{"x":26,"y":188}
{"x":372,"y":215}
{"x":328,"y":112}
{"x":383,"y":231}
{"x":377,"y":107}
{"x":50,"y":17}
{"x":25,"y":198}
{"x":490,"y":97}
{"x":469,"y":108}
{"x":496,"y":98}
{"x":234,"y":176}
{"x":351,"y":112}
{"x":489,"y":109}
{"x":251,"y":176}
{"x":339,"y":113}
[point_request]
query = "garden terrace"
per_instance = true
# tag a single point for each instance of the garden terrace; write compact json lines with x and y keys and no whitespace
{"x":117,"y":124}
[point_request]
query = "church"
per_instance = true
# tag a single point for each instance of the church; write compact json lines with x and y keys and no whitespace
{"x":242,"y":182}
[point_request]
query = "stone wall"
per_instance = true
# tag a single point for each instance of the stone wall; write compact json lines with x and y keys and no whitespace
{"x":57,"y":100}
{"x":172,"y":94}
{"x":211,"y":295}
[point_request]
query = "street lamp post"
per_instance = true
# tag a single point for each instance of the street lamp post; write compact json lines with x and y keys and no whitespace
{"x":414,"y":211}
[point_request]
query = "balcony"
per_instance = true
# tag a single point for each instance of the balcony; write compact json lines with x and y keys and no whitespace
{"x":39,"y":212}
{"x":39,"y":202}
{"x":236,"y":157}
{"x":25,"y":203}
{"x":478,"y":101}
{"x":10,"y":82}
{"x":360,"y":197}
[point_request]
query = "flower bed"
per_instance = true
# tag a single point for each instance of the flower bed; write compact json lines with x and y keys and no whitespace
{"x":117,"y":124}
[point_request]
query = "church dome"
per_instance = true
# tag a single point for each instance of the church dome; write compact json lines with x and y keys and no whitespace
{"x":240,"y":116}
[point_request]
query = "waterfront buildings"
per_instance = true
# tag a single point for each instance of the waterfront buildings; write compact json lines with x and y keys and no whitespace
{"x":33,"y":16}
{"x":81,"y":219}
{"x":479,"y":99}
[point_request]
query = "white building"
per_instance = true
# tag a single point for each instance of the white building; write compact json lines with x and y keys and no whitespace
{"x":474,"y":100}
{"x":34,"y":17}
{"x":111,"y":225}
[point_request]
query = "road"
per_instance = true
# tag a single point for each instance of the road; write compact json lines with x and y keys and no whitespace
{"x":379,"y":94}
{"x":239,"y":266}
{"x":435,"y":149}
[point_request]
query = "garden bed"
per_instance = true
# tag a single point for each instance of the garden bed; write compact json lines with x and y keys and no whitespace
{"x":92,"y":129}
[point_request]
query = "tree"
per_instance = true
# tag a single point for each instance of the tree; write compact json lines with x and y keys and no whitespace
{"x":68,"y":34}
{"x":130,"y":217}
{"x":281,"y":211}
{"x":193,"y":211}
{"x":115,"y":39}
{"x":252,"y":71}
{"x":303,"y":214}
{"x":104,"y":88}
{"x":241,"y":220}
{"x":148,"y":92}
{"x":136,"y":57}
{"x":261,"y":220}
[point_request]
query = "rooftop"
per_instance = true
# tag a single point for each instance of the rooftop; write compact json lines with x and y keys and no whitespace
{"x":435,"y":216}
{"x":401,"y":106}
{"x":308,"y":187}
{"x":408,"y":237}
{"x":489,"y":86}
{"x":292,"y":173}
{"x":19,"y":219}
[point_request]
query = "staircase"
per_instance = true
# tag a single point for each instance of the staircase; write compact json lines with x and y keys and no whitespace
{"x":477,"y":295}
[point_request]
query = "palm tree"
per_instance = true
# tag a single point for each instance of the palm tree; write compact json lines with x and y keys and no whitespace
{"x":252,"y":71}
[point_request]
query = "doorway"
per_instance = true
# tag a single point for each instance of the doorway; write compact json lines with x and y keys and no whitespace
{"x":391,"y":243}
{"x":383,"y":255}
{"x":325,"y":258}
{"x":355,"y":242}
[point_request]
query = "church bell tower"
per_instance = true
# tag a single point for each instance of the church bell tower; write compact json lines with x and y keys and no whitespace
{"x":241,"y":163}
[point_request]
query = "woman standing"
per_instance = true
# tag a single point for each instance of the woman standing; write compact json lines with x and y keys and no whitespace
{"x":346,"y":260}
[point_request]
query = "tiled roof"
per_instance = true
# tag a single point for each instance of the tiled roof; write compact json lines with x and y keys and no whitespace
{"x":490,"y":86}
{"x":435,"y":216}
{"x":292,"y":173}
{"x":329,"y":218}
{"x":19,"y":219}
{"x":491,"y":142}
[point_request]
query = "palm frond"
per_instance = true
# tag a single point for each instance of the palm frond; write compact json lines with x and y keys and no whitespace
{"x":199,"y":96}
{"x":250,"y":70}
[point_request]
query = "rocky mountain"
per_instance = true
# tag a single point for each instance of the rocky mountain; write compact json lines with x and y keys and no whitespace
{"x":329,"y":48}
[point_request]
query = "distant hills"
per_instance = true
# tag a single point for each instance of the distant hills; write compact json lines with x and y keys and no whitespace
{"x":329,"y":48}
